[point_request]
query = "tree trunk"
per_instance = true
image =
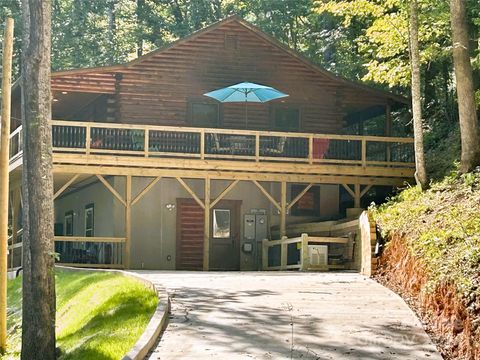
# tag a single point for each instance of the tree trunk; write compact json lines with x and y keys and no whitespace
{"x":467,"y":109}
{"x":38,"y":322}
{"x":112,"y":31}
{"x":421,"y":172}
{"x":140,"y":12}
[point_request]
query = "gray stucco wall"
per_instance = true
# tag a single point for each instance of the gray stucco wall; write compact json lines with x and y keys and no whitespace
{"x":154,"y":226}
{"x":76,"y":201}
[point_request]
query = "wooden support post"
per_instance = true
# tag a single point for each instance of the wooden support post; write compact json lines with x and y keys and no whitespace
{"x":146,"y":142}
{"x":4,"y":160}
{"x":364,"y":153}
{"x":284,"y":256}
{"x":202,"y":144}
{"x":88,"y":140}
{"x":264,"y":254}
{"x":305,"y":261}
{"x":257,"y":146}
{"x":128,"y":220}
{"x":310,"y":149}
{"x":283,"y":209}
{"x":206,"y":239}
{"x":358,"y":196}
{"x":388,"y":130}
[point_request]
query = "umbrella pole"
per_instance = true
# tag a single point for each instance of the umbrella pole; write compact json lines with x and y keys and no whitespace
{"x":246,"y":115}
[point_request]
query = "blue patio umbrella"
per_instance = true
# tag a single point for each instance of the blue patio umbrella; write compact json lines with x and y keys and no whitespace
{"x":246,"y":92}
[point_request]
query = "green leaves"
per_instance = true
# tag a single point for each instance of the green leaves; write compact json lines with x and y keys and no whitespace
{"x":384,"y":42}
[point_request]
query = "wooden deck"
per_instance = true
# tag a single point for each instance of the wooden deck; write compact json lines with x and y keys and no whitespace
{"x":86,"y":149}
{"x":120,"y":149}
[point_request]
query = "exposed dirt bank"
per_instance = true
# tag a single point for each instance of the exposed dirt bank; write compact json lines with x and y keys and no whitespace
{"x":452,"y":322}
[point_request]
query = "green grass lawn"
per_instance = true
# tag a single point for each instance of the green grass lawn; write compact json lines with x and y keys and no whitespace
{"x":100,"y":315}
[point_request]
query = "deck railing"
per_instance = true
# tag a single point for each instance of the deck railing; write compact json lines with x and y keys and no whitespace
{"x":202,"y":143}
{"x":275,"y":252}
{"x":79,"y":251}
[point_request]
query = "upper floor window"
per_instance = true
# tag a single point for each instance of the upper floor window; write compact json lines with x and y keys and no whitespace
{"x":204,"y":114}
{"x":286,"y":118}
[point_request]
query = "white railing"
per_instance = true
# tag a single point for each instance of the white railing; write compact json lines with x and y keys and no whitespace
{"x":302,"y":244}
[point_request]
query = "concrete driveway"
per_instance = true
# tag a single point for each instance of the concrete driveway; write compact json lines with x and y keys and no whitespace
{"x":289,"y":315}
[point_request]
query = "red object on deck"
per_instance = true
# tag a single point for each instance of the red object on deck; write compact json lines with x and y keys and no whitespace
{"x":320,"y":148}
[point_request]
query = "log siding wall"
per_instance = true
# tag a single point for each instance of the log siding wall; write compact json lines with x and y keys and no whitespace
{"x":157,"y":88}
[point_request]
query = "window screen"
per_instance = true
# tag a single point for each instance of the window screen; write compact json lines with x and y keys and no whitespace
{"x":204,"y":114}
{"x":287,"y":118}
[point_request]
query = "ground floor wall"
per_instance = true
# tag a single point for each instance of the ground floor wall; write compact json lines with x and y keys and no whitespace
{"x":154,"y":216}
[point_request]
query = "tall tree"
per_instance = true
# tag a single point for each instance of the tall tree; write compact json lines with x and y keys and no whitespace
{"x":467,"y":109}
{"x":421,"y":172}
{"x":38,"y":316}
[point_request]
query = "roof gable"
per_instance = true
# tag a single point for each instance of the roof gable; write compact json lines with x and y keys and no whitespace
{"x":228,"y":24}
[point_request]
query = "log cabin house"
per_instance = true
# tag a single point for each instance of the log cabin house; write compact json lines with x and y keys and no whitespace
{"x":151,"y":174}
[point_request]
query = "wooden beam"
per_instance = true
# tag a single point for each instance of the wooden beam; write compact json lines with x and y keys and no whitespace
{"x":365,"y":190}
{"x":191,"y":192}
{"x":206,"y":239}
{"x":128,"y":221}
{"x":283,"y":210}
{"x":349,"y":190}
{"x":146,"y":189}
{"x":98,"y":239}
{"x":111,"y":189}
{"x":299,"y":196}
{"x":224,"y":193}
{"x":229,"y":175}
{"x":267,"y":194}
{"x":65,"y":186}
{"x":127,"y":158}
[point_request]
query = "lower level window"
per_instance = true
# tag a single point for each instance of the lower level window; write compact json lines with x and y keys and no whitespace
{"x":69,"y":223}
{"x":89,"y":220}
{"x":221,"y":223}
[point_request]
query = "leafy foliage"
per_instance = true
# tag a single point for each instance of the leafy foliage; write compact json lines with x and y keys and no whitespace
{"x":441,"y":227}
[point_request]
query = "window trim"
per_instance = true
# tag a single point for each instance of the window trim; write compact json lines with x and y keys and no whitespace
{"x":67,"y":215}
{"x":90,"y":207}
{"x":273,"y":109}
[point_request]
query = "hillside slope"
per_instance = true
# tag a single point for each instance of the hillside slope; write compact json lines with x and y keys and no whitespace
{"x":100,"y":315}
{"x":433,"y":258}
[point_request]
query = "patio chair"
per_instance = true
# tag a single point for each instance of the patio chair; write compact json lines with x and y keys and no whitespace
{"x":217,"y":145}
{"x":138,"y":139}
{"x":278,"y":149}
